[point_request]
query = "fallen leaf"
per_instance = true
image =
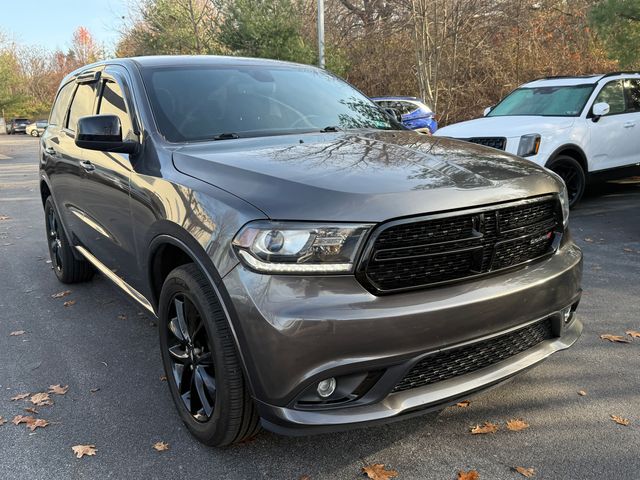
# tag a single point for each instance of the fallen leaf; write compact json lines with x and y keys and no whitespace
{"x":463,"y":404}
{"x":488,"y":427}
{"x":161,"y":446}
{"x":620,"y":420}
{"x":516,"y":425}
{"x":94,"y":390}
{"x":122,"y":317}
{"x":163,"y":378}
{"x":69,"y":303}
{"x":41,"y":399}
{"x":304,"y":477}
{"x":588,"y":240}
{"x":4,"y":217}
{"x":81,"y":450}
{"x":582,"y":393}
{"x":37,"y":422}
{"x":633,"y":333}
{"x":31,"y":410}
{"x":17,"y":333}
{"x":20,"y":396}
{"x":61,"y":294}
{"x":18,"y":419}
{"x":629,"y":250}
{"x":614,"y":338}
{"x":58,"y":389}
{"x":2,"y":420}
{"x":470,"y":475}
{"x":525,"y":472}
{"x":378,"y":472}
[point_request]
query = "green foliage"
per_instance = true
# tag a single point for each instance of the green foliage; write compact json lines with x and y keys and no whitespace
{"x":11,"y":96}
{"x":266,"y":28}
{"x":618,"y":23}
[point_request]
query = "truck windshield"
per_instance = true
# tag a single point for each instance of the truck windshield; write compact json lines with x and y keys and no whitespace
{"x":228,"y":102}
{"x":561,"y":101}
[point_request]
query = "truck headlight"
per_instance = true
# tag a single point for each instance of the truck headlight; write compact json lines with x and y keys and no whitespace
{"x":529,"y":145}
{"x":300,"y":247}
{"x":564,"y":201}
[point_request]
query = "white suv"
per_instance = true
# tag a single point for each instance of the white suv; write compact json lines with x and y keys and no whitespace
{"x":572,"y":125}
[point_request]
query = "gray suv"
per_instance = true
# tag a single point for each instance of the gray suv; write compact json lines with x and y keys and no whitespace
{"x":313,"y":265}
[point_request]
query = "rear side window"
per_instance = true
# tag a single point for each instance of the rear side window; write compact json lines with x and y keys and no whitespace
{"x":61,"y":105}
{"x":613,"y":94}
{"x":82,"y":104}
{"x":632,"y":90}
{"x":112,"y":103}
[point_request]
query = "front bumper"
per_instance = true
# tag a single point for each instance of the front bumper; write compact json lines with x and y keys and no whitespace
{"x":295,"y":331}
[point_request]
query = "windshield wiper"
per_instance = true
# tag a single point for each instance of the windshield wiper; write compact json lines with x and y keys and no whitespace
{"x":330,"y":128}
{"x":226,"y":136}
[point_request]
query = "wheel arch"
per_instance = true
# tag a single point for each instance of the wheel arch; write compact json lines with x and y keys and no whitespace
{"x":573,"y":151}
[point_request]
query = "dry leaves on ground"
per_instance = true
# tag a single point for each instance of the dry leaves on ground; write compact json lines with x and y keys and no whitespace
{"x":31,"y":410}
{"x":470,"y":475}
{"x":61,"y":294}
{"x":41,"y":399}
{"x":627,"y":249}
{"x":17,"y":333}
{"x":2,"y":420}
{"x":4,"y":217}
{"x":582,"y":393}
{"x":588,"y":240}
{"x":620,"y":420}
{"x":304,"y":477}
{"x":463,"y":404}
{"x":58,"y":389}
{"x":377,"y":471}
{"x":69,"y":303}
{"x":614,"y":338}
{"x":32,"y":423}
{"x":82,"y":450}
{"x":161,"y":446}
{"x":94,"y":390}
{"x":20,"y":396}
{"x":516,"y":425}
{"x":163,"y":378}
{"x":525,"y":472}
{"x":633,"y":333}
{"x":488,"y":427}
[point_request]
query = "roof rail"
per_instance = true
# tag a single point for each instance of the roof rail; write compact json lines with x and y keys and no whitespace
{"x":624,"y":72}
{"x":554,"y":77}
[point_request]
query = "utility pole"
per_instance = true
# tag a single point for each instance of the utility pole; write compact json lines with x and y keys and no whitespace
{"x":321,"y":33}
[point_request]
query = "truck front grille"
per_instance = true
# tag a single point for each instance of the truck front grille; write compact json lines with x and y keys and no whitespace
{"x":458,"y":361}
{"x":428,"y":251}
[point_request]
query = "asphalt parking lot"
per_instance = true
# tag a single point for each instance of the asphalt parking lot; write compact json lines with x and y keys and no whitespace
{"x":105,"y":349}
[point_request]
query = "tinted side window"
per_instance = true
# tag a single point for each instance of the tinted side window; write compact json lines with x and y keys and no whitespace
{"x":613,"y":94}
{"x":112,"y":103}
{"x":61,"y":105}
{"x":632,"y":90}
{"x":82,"y":104}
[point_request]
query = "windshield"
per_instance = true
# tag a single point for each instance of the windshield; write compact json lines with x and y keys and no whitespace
{"x":222,"y":102}
{"x":564,"y":101}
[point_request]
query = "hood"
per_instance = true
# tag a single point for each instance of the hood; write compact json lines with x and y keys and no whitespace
{"x":505,"y":126}
{"x":369,"y":176}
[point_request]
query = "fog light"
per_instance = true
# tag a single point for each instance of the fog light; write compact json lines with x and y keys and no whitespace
{"x":566,"y":314}
{"x":327,"y":387}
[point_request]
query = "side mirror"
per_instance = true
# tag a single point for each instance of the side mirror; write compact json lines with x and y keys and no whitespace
{"x":103,"y":133}
{"x":393,"y":113}
{"x":600,"y":109}
{"x":486,"y":111}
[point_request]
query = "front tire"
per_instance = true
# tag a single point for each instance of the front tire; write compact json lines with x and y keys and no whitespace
{"x":66,"y":266}
{"x":573,"y":175}
{"x":200,"y":361}
{"x":34,"y":133}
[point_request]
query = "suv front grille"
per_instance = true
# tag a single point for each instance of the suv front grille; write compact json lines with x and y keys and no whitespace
{"x":494,"y":142}
{"x":458,"y":361}
{"x":417,"y":253}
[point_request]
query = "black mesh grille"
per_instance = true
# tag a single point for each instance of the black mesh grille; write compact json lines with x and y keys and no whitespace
{"x":421,"y":253}
{"x":494,"y":142}
{"x":458,"y":361}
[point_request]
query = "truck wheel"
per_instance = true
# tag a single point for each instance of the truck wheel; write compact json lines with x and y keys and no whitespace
{"x":570,"y":170}
{"x":200,"y":361}
{"x":66,"y":266}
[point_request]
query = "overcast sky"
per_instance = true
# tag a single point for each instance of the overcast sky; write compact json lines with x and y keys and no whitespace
{"x":50,"y":24}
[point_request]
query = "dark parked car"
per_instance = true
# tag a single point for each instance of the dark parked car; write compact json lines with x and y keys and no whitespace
{"x":313,"y":265}
{"x":16,"y":125}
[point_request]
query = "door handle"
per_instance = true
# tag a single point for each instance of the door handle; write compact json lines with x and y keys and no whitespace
{"x":50,"y":151}
{"x":88,"y":166}
{"x":629,"y":124}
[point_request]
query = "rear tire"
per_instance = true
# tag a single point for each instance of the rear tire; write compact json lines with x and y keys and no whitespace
{"x":34,"y":133}
{"x":66,"y":266}
{"x":573,"y":175}
{"x":203,"y":370}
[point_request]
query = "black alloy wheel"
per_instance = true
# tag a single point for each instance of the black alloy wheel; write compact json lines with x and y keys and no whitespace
{"x":573,"y":175}
{"x":191,"y":359}
{"x":54,"y":240}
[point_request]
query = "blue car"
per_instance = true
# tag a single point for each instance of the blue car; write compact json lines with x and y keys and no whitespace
{"x":414,"y":113}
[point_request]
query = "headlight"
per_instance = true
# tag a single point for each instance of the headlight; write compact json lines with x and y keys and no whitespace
{"x":564,"y":201}
{"x":529,"y":145}
{"x":284,"y":247}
